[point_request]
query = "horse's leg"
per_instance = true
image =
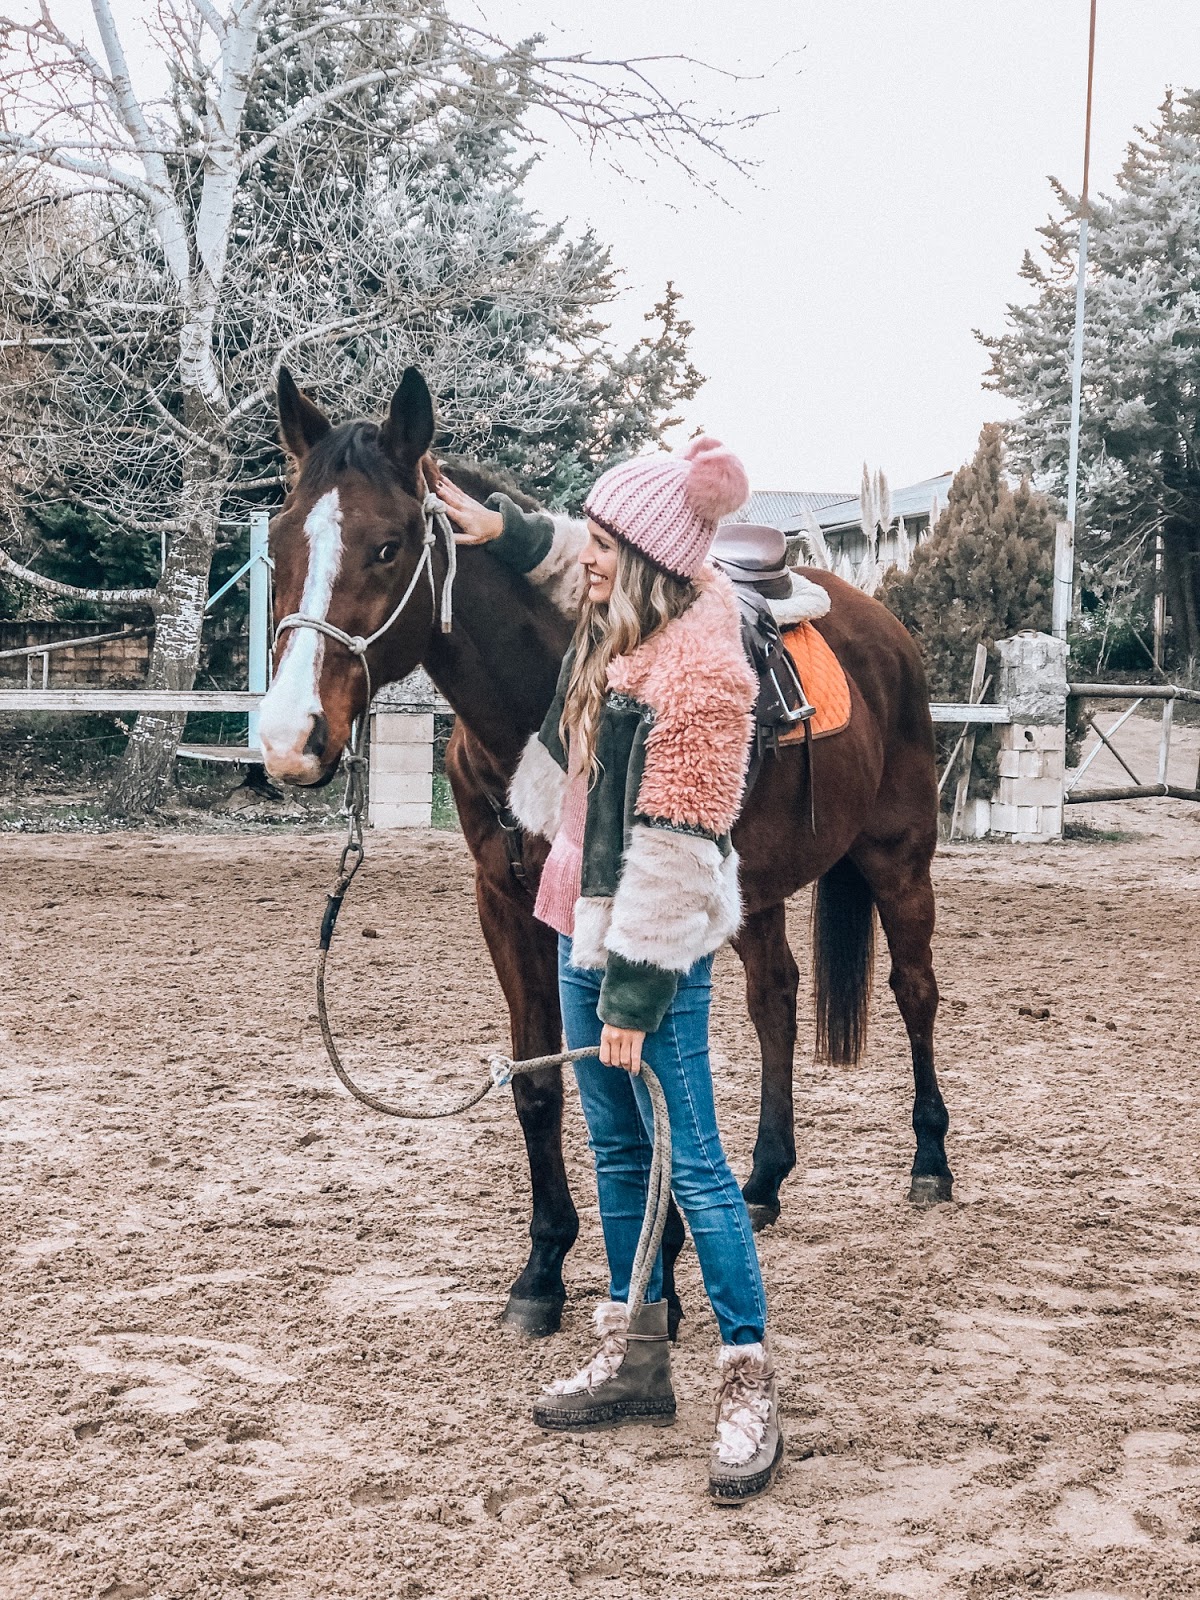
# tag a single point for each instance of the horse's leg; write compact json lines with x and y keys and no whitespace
{"x":524,"y":954}
{"x":771,"y":981}
{"x":900,"y":882}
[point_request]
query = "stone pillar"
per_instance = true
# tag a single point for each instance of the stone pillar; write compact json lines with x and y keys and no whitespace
{"x":400,"y":793}
{"x":1028,"y":805}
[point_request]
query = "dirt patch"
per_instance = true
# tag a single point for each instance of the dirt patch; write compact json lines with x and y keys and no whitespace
{"x":249,"y":1337}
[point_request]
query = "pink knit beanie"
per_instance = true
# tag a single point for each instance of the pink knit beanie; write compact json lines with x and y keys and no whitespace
{"x":668,"y":507}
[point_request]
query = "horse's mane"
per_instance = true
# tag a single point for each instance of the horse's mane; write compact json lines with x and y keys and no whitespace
{"x":354,"y":447}
{"x":350,"y":447}
{"x":481,"y":480}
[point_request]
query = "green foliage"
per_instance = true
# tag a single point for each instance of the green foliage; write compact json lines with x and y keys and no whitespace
{"x":984,"y":573}
{"x":621,"y":404}
{"x":77,"y":546}
{"x":1140,"y":426}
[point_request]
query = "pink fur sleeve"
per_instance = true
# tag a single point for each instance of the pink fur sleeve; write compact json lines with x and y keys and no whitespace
{"x":696,"y":678}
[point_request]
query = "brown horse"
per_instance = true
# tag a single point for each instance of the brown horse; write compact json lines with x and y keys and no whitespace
{"x":346,"y":546}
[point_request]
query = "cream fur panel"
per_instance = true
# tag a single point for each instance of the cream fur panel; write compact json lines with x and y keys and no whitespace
{"x":806,"y":601}
{"x":592,"y":918}
{"x":558,"y":574}
{"x":676,"y":901}
{"x":537,"y":791}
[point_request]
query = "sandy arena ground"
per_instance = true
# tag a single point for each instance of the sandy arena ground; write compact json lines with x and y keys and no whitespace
{"x":249,"y":1342}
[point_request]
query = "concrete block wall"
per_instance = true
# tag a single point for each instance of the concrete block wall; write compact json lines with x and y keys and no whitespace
{"x":400,"y":787}
{"x":109,"y":664}
{"x":400,"y":790}
{"x":1028,"y":804}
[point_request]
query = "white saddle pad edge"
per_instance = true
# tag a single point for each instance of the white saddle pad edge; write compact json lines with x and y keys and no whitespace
{"x":806,"y":601}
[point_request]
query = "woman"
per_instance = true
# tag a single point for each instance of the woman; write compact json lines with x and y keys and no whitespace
{"x":636,"y":776}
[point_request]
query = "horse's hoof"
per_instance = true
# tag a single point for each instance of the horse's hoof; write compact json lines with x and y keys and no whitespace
{"x":537,"y":1319}
{"x":930,"y":1190}
{"x":762,"y":1216}
{"x":674,"y":1318}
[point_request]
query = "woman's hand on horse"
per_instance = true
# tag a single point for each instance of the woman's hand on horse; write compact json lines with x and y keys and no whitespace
{"x":477,"y":524}
{"x":621,"y":1047}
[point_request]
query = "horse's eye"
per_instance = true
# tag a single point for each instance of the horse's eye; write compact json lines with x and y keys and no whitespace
{"x":387,"y":552}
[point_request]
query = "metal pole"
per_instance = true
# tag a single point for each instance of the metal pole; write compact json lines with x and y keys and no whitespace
{"x":1064,"y":576}
{"x":260,"y":581}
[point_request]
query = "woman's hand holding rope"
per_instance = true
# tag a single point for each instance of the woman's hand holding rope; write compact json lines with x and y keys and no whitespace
{"x":621,"y":1047}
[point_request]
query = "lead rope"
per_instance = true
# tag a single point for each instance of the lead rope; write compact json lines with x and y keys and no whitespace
{"x":501,"y":1069}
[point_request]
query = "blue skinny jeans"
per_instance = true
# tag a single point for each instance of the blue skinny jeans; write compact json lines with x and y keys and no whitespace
{"x":616,"y":1107}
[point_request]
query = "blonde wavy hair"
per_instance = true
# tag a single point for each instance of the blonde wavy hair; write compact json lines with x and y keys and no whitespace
{"x":644,"y":600}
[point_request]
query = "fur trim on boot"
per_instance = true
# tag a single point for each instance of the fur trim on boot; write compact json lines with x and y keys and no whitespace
{"x":627,"y":1380}
{"x":749,"y":1444}
{"x":612,"y":1325}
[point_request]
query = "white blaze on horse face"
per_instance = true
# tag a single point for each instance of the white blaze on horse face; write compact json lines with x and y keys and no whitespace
{"x":292,"y":701}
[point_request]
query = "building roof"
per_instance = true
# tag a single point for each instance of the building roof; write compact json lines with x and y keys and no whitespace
{"x":915,"y":500}
{"x":780,"y":508}
{"x":786,"y":509}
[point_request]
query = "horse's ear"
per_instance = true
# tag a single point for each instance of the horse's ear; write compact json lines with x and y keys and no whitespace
{"x":300,"y":422}
{"x":409,"y":429}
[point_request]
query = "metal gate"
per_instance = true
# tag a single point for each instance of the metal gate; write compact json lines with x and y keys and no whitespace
{"x":1137,"y":789}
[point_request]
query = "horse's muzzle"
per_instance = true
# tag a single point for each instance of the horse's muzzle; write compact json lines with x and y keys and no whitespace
{"x":307,"y":757}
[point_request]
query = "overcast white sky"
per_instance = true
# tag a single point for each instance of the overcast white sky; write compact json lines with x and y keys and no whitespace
{"x":905,"y":173}
{"x":897,"y":189}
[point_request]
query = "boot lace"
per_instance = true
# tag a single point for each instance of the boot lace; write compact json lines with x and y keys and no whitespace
{"x":743,"y":1406}
{"x":614,"y":1342}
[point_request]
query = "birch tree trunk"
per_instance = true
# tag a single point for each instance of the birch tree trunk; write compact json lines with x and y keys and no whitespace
{"x":146,"y":768}
{"x":147,"y":763}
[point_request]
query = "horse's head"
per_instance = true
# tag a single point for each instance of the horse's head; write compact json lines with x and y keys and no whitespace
{"x":346,"y":546}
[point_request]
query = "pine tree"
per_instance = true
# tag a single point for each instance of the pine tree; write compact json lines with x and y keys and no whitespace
{"x":984,"y":573}
{"x":1140,"y":432}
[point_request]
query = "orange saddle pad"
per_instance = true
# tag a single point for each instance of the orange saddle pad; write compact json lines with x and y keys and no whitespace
{"x":824,"y":683}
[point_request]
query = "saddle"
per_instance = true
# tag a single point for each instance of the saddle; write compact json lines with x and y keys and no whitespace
{"x":754,"y":557}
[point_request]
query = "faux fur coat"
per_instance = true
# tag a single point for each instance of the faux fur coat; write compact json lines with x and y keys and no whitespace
{"x":660,"y":876}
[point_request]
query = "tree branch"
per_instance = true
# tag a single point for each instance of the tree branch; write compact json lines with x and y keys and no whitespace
{"x":212,"y":16}
{"x":40,"y":150}
{"x":336,"y":19}
{"x":167,"y":417}
{"x":238,"y":486}
{"x":362,"y":322}
{"x":15,"y":213}
{"x":312,"y":105}
{"x":160,"y":196}
{"x":70,"y":591}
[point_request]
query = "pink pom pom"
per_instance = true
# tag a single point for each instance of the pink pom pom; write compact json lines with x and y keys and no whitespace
{"x":717,"y":484}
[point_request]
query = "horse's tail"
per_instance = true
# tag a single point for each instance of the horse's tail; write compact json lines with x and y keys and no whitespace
{"x":843,"y":961}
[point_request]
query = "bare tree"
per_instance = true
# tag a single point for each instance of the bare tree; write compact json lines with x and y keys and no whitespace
{"x":279,"y":202}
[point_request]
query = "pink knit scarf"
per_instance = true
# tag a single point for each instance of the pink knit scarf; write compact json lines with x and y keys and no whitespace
{"x":562,"y":875}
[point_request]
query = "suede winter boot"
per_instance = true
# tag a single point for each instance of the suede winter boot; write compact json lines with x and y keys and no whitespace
{"x":749,"y":1445}
{"x":627,"y":1380}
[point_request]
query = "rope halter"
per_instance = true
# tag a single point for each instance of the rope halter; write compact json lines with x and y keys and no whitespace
{"x":436,"y":522}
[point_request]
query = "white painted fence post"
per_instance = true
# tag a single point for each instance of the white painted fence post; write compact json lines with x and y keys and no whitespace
{"x":400,"y":792}
{"x":1028,"y":806}
{"x":260,"y":602}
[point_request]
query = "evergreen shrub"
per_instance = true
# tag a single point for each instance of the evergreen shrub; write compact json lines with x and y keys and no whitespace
{"x":985,"y":572}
